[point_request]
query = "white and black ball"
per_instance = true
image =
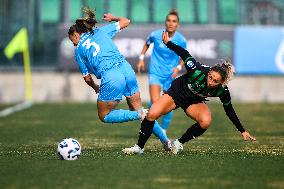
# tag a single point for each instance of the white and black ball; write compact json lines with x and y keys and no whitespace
{"x":69,"y":149}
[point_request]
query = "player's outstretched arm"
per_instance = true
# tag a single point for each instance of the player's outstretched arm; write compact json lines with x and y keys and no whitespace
{"x":184,"y":54}
{"x":225,"y":98}
{"x":230,"y":112}
{"x":89,"y":80}
{"x":123,"y":22}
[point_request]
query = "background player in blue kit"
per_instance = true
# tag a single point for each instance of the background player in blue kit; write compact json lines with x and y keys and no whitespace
{"x":164,"y":64}
{"x":97,"y":54}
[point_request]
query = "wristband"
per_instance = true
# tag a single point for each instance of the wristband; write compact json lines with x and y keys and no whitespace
{"x":141,"y":57}
{"x":179,"y":67}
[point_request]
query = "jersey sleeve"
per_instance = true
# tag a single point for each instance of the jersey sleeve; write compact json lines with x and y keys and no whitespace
{"x":225,"y":98}
{"x":150,"y":38}
{"x":189,"y":62}
{"x":81,"y":63}
{"x":111,"y":29}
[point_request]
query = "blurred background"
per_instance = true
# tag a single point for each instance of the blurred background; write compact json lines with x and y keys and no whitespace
{"x":249,"y":32}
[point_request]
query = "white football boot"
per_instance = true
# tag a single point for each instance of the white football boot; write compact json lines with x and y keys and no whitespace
{"x":176,"y":147}
{"x":133,"y":150}
{"x":142,"y":112}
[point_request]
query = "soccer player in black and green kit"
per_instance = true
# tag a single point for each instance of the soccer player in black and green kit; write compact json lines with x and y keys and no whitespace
{"x":189,"y":92}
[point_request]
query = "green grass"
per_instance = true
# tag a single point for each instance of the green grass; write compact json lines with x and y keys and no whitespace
{"x":218,"y":159}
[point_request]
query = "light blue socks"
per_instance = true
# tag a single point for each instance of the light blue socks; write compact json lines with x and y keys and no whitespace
{"x":160,"y":133}
{"x":119,"y":116}
{"x":166,"y":120}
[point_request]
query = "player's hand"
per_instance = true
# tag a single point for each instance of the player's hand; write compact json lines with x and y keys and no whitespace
{"x":165,"y":37}
{"x":247,"y":136}
{"x":97,"y":88}
{"x":108,"y":17}
{"x":175,"y":72}
{"x":140,"y":66}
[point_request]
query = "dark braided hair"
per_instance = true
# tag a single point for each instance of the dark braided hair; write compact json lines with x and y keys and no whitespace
{"x":85,"y":24}
{"x":225,"y":69}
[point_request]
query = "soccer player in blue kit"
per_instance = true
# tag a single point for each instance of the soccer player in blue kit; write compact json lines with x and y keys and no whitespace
{"x":164,"y":65}
{"x":96,"y":54}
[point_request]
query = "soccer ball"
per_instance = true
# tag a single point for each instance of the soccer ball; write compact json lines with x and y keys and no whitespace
{"x":69,"y":149}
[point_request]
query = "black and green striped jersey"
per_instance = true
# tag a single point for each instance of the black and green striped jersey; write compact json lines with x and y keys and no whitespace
{"x":196,"y":78}
{"x":196,"y":81}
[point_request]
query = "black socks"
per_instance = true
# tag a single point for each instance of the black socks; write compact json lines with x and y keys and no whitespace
{"x":193,"y":132}
{"x":145,"y":132}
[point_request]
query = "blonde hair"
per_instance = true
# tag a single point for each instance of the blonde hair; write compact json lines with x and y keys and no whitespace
{"x":226,"y":69}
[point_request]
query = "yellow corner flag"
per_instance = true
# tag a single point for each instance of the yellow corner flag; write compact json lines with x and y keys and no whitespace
{"x":20,"y":44}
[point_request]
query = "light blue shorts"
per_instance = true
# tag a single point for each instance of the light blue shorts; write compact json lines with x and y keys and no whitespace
{"x":117,"y":81}
{"x":164,"y":82}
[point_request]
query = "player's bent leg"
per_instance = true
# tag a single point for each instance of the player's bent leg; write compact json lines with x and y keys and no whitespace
{"x":159,"y":131}
{"x":162,"y":106}
{"x":112,"y":88}
{"x":155,"y":92}
{"x":201,"y":114}
{"x":108,"y":114}
{"x":105,"y":108}
{"x":134,"y":101}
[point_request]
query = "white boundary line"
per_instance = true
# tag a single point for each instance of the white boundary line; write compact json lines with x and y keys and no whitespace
{"x":16,"y":108}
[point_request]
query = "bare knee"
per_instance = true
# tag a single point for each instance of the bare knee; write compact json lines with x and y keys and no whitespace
{"x":205,"y":121}
{"x":153,"y":115}
{"x":104,"y":108}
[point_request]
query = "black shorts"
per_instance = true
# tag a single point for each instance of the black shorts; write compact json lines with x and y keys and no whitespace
{"x":182,"y":95}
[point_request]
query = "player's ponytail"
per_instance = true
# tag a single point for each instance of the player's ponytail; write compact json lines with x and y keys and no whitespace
{"x":230,"y":69}
{"x":225,"y":69}
{"x":89,"y":18}
{"x":85,"y":24}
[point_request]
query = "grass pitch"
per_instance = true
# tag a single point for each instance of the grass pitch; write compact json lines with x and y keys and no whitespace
{"x":218,"y":159}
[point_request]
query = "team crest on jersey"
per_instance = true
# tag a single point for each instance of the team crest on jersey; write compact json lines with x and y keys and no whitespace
{"x":190,"y":64}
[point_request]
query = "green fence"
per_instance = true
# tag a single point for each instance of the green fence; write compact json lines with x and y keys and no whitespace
{"x":42,"y":18}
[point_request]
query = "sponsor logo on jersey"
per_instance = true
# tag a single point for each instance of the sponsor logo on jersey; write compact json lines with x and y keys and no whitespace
{"x":194,"y":92}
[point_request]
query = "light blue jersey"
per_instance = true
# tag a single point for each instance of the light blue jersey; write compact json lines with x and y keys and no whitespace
{"x":97,"y":53}
{"x":163,"y":60}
